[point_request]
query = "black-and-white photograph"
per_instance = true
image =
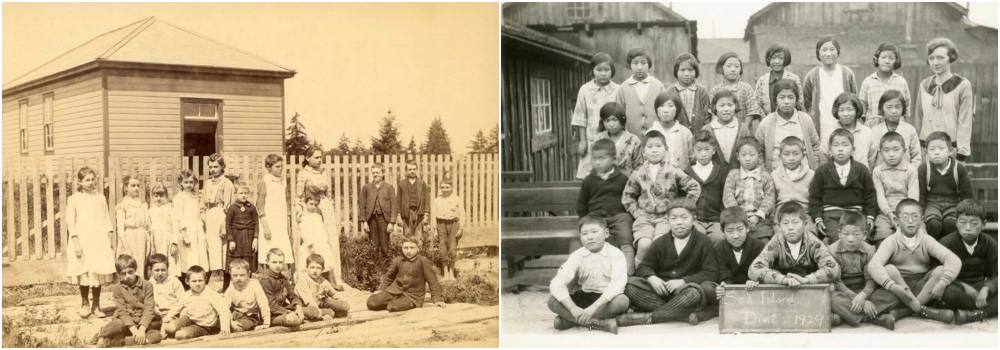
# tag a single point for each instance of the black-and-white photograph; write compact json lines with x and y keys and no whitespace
{"x":805,"y":174}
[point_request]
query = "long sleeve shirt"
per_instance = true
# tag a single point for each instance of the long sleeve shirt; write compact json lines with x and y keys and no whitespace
{"x":893,"y":184}
{"x":601,"y":196}
{"x":695,"y":264}
{"x":649,"y":194}
{"x":911,"y":141}
{"x":281,"y":295}
{"x":604,"y":272}
{"x":166,"y":294}
{"x":947,"y":107}
{"x":814,"y":261}
{"x":953,"y":185}
{"x":410,"y":278}
{"x":979,"y":265}
{"x":826,"y":191}
{"x":250,"y":300}
{"x":135,"y":303}
{"x":241,"y":217}
{"x":206,"y":309}
{"x":792,"y":186}
{"x":854,"y":275}
{"x":312,"y":291}
{"x":914,"y":261}
{"x":751,"y":190}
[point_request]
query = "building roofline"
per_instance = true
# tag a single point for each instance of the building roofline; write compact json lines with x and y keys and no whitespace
{"x":543,"y":41}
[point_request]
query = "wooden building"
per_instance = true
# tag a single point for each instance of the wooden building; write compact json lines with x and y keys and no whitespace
{"x":861,"y":26}
{"x":147,"y":89}
{"x":541,"y":76}
{"x":614,"y":28}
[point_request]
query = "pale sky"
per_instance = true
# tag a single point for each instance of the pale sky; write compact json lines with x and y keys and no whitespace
{"x":354,"y":62}
{"x":730,"y":22}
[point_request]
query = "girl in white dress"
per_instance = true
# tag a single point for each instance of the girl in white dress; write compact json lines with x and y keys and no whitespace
{"x":272,"y":206}
{"x":161,"y":228}
{"x":312,"y":175}
{"x":133,"y":224}
{"x":90,"y":257}
{"x":192,"y":249}
{"x":315,"y":239}
{"x":218,"y":195}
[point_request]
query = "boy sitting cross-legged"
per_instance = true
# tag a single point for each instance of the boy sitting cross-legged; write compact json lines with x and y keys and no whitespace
{"x":286,"y":306}
{"x":904,"y":265}
{"x":201,"y":310}
{"x":601,"y":196}
{"x":676,"y":276}
{"x":597,"y":274}
{"x":734,"y":255}
{"x":854,"y":291}
{"x":794,"y":257}
{"x":974,"y":293}
{"x":167,"y":289}
{"x":251,"y":309}
{"x":135,"y":320}
{"x":404,"y":285}
{"x":317,"y":293}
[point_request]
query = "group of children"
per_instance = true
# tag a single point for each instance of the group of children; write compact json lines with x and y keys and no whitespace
{"x":181,"y":245}
{"x":866,"y":207}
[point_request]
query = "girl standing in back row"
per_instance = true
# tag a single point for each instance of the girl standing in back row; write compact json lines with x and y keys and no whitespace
{"x":90,"y":255}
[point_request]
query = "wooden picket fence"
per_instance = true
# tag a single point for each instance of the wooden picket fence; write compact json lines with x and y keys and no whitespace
{"x":35,"y":190}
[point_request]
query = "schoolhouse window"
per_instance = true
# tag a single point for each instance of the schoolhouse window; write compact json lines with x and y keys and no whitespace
{"x":578,"y":10}
{"x":200,"y":110}
{"x":22,"y":127}
{"x":541,"y":105}
{"x":202,"y":129}
{"x":48,"y":135}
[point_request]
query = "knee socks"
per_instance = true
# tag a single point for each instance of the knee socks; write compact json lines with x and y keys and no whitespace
{"x":95,"y":302}
{"x":84,"y":293}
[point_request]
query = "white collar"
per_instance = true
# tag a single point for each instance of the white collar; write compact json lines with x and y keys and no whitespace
{"x":972,"y":247}
{"x":795,"y":248}
{"x":707,"y":167}
{"x":946,"y":168}
{"x":606,"y":175}
{"x":680,"y":244}
{"x":793,"y":120}
{"x":602,"y":252}
{"x":718,"y":125}
{"x":845,"y":167}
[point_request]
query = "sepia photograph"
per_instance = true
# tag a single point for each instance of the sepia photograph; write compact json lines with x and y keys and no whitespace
{"x":233,"y":175}
{"x":746,"y":174}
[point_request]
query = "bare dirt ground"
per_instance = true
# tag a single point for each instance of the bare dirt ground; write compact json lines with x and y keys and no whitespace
{"x":526,"y":321}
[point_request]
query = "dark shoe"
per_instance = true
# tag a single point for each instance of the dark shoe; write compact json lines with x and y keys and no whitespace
{"x":886,"y":321}
{"x":945,"y":316}
{"x":966,"y":316}
{"x":634,"y":319}
{"x":900,"y":313}
{"x":700,"y":316}
{"x":835,"y":320}
{"x":606,"y":325}
{"x":562,"y":324}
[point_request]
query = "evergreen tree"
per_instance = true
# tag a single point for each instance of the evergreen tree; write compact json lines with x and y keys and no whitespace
{"x":493,"y":141}
{"x":479,"y":143}
{"x":343,"y":146}
{"x":437,"y":139}
{"x":412,"y":147}
{"x":359,"y":148}
{"x":387,"y":141}
{"x":296,"y":138}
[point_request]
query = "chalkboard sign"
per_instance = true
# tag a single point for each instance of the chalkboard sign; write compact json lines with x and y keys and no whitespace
{"x":775,"y":308}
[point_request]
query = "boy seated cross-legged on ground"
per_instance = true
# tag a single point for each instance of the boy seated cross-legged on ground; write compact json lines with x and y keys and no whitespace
{"x":135,"y":321}
{"x":675,"y":277}
{"x":201,"y":310}
{"x":974,"y":293}
{"x":794,"y":257}
{"x":854,"y":292}
{"x":286,"y":306}
{"x":904,"y":264}
{"x":317,"y":293}
{"x":596,"y":273}
{"x":600,"y":196}
{"x":404,"y":285}
{"x":167,"y":289}
{"x":734,"y":255}
{"x":251,"y":309}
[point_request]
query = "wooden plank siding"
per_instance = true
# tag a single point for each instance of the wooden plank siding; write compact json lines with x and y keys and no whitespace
{"x":76,"y":119}
{"x":518,"y":64}
{"x":556,"y":13}
{"x":859,"y":27}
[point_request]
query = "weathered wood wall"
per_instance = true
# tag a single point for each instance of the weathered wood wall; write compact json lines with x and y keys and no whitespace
{"x":557,"y":13}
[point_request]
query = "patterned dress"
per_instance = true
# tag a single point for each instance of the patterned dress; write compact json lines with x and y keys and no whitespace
{"x":627,"y":147}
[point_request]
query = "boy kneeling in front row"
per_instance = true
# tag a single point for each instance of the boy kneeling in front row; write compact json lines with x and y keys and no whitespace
{"x":597,"y":272}
{"x":675,"y":276}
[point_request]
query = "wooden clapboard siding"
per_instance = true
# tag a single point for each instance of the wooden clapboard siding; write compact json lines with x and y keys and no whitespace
{"x":160,"y":81}
{"x":859,"y":27}
{"x":556,"y":13}
{"x":253,"y":124}
{"x":77,"y":109}
{"x":140,"y":125}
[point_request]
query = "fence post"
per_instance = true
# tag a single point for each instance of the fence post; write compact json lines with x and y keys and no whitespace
{"x":50,"y":210}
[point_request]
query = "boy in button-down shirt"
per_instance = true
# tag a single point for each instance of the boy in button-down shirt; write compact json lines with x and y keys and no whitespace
{"x":135,"y":321}
{"x":894,"y":180}
{"x":854,"y":291}
{"x":449,"y":218}
{"x":404,"y":285}
{"x":597,"y":273}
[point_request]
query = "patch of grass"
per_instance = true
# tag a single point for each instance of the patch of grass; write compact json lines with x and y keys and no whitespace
{"x":22,"y":337}
{"x":13,"y":296}
{"x":471,"y":289}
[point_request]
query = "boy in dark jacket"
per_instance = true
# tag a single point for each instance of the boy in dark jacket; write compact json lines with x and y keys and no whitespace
{"x":135,"y":321}
{"x":839,"y":186}
{"x":286,"y":306}
{"x":241,"y":228}
{"x":601,"y":196}
{"x":943,"y":187}
{"x":711,"y":175}
{"x":733,"y":255}
{"x":404,"y":285}
{"x":676,"y":275}
{"x":795,"y":257}
{"x":974,"y":292}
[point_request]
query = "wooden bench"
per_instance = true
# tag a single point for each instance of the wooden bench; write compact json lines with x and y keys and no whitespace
{"x":539,"y":218}
{"x":984,"y":189}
